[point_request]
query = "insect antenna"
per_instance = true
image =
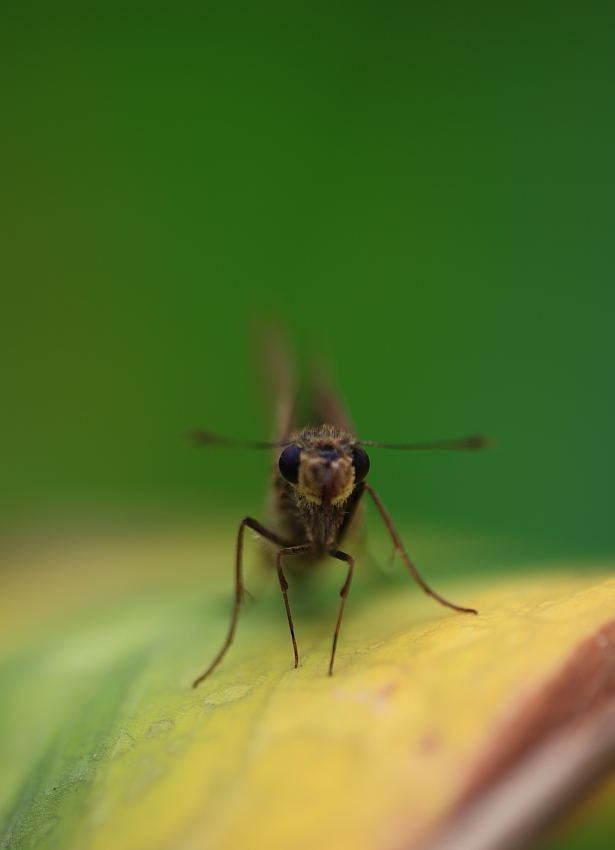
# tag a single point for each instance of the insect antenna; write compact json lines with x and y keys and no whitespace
{"x":206,"y":438}
{"x":479,"y":441}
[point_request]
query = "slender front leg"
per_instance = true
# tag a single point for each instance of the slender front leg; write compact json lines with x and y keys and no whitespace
{"x":399,"y":547}
{"x":290,"y":550}
{"x":341,"y":556}
{"x":239,"y":589}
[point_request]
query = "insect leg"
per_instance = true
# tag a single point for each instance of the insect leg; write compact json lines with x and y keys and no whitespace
{"x":399,"y":547}
{"x":341,"y":556}
{"x":290,"y":550}
{"x":239,"y":588}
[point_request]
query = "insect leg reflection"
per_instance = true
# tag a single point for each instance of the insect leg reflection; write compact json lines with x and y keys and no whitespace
{"x":399,"y":547}
{"x":239,"y":588}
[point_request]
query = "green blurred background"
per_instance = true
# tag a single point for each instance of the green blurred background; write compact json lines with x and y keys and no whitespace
{"x":424,"y":190}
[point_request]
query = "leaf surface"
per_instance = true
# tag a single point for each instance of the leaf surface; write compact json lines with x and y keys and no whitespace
{"x":109,"y":746}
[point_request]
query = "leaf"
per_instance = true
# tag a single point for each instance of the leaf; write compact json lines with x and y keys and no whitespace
{"x":428,"y":710}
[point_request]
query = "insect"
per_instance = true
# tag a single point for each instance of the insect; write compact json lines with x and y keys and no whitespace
{"x":318,"y":484}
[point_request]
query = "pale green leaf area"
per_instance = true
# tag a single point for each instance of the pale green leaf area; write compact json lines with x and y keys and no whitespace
{"x":104,"y":743}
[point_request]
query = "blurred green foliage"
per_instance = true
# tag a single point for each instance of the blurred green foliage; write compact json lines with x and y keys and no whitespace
{"x":424,"y":190}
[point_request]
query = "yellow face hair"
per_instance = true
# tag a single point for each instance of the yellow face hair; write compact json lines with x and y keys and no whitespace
{"x":326,"y":477}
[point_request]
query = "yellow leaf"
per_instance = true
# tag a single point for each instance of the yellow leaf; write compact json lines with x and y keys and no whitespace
{"x":109,"y":746}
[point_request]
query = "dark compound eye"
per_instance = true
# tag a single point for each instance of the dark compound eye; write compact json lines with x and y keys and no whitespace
{"x":289,"y":463}
{"x":360,"y":461}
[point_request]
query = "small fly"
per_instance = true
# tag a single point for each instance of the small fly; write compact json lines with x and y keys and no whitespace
{"x":318,"y":484}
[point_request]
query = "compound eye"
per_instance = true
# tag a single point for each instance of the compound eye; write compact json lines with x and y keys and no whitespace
{"x":360,"y":461}
{"x":289,"y":463}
